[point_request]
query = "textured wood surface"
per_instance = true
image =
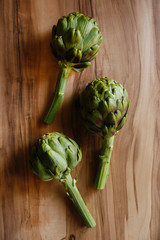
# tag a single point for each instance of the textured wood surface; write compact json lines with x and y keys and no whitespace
{"x":129,"y":207}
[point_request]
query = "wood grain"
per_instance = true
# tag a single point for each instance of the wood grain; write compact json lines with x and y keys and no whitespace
{"x":129,"y":207}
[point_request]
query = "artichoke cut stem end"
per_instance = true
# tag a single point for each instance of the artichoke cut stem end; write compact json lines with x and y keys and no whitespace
{"x":104,"y":164}
{"x":58,"y":94}
{"x":76,"y":198}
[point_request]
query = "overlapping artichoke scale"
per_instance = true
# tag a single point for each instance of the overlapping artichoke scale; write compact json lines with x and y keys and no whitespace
{"x":123,"y":120}
{"x":91,"y":38}
{"x":38,"y":168}
{"x":56,"y":146}
{"x":73,"y":55}
{"x":62,"y":26}
{"x":96,"y":118}
{"x":58,"y":46}
{"x":72,"y":20}
{"x":80,"y":66}
{"x":51,"y":159}
{"x":72,"y":155}
{"x":90,"y":53}
{"x":85,"y":24}
{"x":73,"y":39}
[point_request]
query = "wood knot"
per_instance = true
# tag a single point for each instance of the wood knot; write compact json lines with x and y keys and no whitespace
{"x":72,"y":237}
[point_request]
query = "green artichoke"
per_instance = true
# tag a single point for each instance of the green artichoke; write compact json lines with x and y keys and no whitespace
{"x":53,"y":157}
{"x":104,"y":106}
{"x":75,"y":42}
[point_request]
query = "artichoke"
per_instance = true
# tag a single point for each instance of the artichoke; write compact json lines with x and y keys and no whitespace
{"x":75,"y":42}
{"x":53,"y":157}
{"x":104,"y":107}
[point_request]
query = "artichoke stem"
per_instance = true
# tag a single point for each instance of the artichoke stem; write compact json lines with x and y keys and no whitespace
{"x":103,"y":169}
{"x":76,"y":198}
{"x":58,"y":94}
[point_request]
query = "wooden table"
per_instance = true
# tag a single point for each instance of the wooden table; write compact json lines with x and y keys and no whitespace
{"x":129,"y":207}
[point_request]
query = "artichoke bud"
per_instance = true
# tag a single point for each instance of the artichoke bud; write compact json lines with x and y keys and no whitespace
{"x":104,"y":105}
{"x":76,"y":31}
{"x":54,"y":155}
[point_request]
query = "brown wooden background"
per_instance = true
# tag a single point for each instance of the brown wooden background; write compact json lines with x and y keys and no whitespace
{"x":129,"y":207}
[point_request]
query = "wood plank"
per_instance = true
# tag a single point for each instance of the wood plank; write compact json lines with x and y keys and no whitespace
{"x":129,"y":207}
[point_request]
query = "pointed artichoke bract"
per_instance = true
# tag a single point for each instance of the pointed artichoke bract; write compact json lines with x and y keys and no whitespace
{"x":75,"y":42}
{"x":104,"y":106}
{"x":53,"y":156}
